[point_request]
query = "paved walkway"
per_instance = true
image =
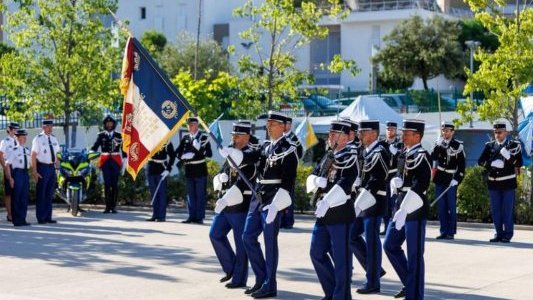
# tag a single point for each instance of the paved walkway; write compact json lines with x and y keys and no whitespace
{"x":121,"y":256}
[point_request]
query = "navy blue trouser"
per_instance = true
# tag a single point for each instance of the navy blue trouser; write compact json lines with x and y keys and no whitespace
{"x":501,"y":207}
{"x":287,"y":216}
{"x":232,"y":262}
{"x":45,"y":192}
{"x":264,"y":267}
{"x":196,"y":193}
{"x":334,"y":271}
{"x":368,"y":250}
{"x":20,"y":196}
{"x":159,"y":204}
{"x":410,"y":269}
{"x":447,"y":206}
{"x":391,"y":200}
{"x":111,"y":172}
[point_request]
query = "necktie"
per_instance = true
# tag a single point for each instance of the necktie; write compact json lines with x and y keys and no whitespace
{"x":25,"y":159}
{"x":52,"y":154}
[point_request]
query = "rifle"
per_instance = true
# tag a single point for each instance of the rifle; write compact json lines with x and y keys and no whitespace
{"x":327,"y":162}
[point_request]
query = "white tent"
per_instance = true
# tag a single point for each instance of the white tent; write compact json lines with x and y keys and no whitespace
{"x":362,"y":108}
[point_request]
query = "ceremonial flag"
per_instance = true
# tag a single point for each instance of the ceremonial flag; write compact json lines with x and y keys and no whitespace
{"x":215,"y":129}
{"x":306,"y":134}
{"x":153,"y":108}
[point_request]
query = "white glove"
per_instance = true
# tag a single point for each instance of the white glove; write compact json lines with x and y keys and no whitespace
{"x":220,"y":205}
{"x":357,"y":182}
{"x":321,"y":208}
{"x":196,"y":144}
{"x":272,"y":213}
{"x":497,"y":164}
{"x":505,"y":153}
{"x":439,"y":141}
{"x":164,"y":174}
{"x":395,"y":184}
{"x":223,"y":177}
{"x":124,"y":164}
{"x":454,"y":182}
{"x":187,"y":155}
{"x":224,"y":152}
{"x":321,"y":182}
{"x":392,"y":149}
{"x":399,"y":218}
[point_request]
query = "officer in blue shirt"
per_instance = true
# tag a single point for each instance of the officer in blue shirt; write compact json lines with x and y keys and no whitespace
{"x":18,"y":164}
{"x":6,"y":146}
{"x":43,"y":157}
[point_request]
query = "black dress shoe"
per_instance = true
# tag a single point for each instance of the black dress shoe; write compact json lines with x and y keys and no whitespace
{"x":449,"y":237}
{"x":51,"y":221}
{"x":382,"y":273}
{"x":226,"y":278}
{"x":150,"y":220}
{"x":9,"y":219}
{"x":41,"y":222}
{"x":186,"y":221}
{"x":114,"y":211}
{"x":441,"y":237}
{"x":495,"y":240}
{"x":21,"y":224}
{"x":327,"y":298}
{"x":106,"y":211}
{"x":160,"y":220}
{"x":252,"y":289}
{"x":198,"y":222}
{"x":368,"y":290}
{"x":504,"y":240}
{"x":400,"y":294}
{"x":264,"y":294}
{"x":232,"y":285}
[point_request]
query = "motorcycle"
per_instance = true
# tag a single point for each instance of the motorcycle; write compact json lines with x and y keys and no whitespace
{"x":74,"y":176}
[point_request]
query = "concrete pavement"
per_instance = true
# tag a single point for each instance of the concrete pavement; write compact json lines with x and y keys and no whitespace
{"x":121,"y":256}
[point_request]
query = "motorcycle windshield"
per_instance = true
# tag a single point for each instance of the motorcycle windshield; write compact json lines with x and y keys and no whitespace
{"x":76,"y":157}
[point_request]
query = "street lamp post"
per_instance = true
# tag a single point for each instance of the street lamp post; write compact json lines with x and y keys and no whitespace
{"x":472,"y":45}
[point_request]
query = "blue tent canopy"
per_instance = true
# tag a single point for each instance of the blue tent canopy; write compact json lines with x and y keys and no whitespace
{"x":525,"y":132}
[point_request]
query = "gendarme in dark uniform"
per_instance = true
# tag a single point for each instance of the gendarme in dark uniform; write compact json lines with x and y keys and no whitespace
{"x":335,"y":214}
{"x":159,"y":167}
{"x":233,"y":205}
{"x":110,"y":162}
{"x":501,"y":158}
{"x":276,"y":177}
{"x":192,"y":151}
{"x":410,"y":213}
{"x":448,"y":158}
{"x":371,"y":203}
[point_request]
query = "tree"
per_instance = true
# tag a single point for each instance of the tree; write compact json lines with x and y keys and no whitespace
{"x":504,"y":73}
{"x":64,"y":60}
{"x":154,"y":42}
{"x":282,"y":27}
{"x":424,"y":49}
{"x":212,"y":59}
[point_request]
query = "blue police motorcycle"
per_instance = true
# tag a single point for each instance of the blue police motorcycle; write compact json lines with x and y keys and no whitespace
{"x":74,"y":176}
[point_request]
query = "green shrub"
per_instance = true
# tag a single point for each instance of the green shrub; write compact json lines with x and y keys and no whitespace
{"x":301,"y":198}
{"x":132,"y":192}
{"x":213,"y":168}
{"x":473,"y":196}
{"x":523,"y":208}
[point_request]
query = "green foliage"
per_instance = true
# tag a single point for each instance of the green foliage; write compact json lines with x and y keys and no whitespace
{"x":132,"y":192}
{"x":213,"y":168}
{"x":473,"y":30}
{"x":505,"y":72}
{"x":63,"y":61}
{"x":392,"y":81}
{"x":428,"y":101}
{"x":210,"y":95}
{"x":473,"y":195}
{"x":179,"y":57}
{"x":154,"y":42}
{"x":282,"y":27}
{"x":424,"y":49}
{"x":301,"y":198}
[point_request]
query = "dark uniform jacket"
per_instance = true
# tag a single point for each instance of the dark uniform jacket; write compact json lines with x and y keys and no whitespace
{"x":501,"y":179}
{"x":416,"y":176}
{"x":196,"y":166}
{"x":450,"y":161}
{"x":109,"y":144}
{"x":393,"y":159}
{"x":162,"y":160}
{"x":249,"y":169}
{"x":342,"y":173}
{"x":294,"y":140}
{"x":375,"y":170}
{"x":276,"y":169}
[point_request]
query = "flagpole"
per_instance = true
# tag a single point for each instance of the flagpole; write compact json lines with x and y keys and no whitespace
{"x":120,"y":23}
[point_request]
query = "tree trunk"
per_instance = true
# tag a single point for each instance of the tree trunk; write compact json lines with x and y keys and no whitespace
{"x":425,"y":82}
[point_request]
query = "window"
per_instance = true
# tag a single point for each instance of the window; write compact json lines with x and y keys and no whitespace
{"x":322,"y":52}
{"x":143,"y":13}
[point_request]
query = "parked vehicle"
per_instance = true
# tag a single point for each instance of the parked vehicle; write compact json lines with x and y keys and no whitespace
{"x":400,"y":103}
{"x":74,"y":176}
{"x":321,"y":105}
